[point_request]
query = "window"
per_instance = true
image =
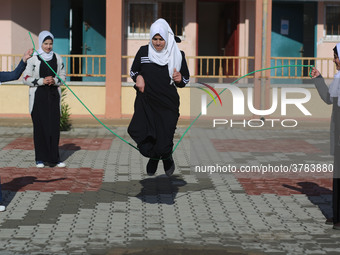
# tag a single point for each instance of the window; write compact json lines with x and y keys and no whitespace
{"x":141,"y":18}
{"x":142,"y":15}
{"x":332,"y":27}
{"x":173,"y":14}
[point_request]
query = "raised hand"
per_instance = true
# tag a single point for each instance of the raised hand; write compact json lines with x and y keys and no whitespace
{"x":27,"y":55}
{"x":315,"y":72}
{"x":177,"y":76}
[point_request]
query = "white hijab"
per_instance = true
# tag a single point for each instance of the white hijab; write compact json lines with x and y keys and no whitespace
{"x":42,"y":53}
{"x":170,"y":55}
{"x":334,"y":88}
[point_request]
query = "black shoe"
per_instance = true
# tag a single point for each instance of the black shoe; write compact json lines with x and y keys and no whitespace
{"x":329,"y":221}
{"x":336,"y":226}
{"x":151,"y":167}
{"x":169,"y":166}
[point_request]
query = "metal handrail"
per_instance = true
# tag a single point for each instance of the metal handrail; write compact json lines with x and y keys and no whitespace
{"x":78,"y":65}
{"x":200,"y":66}
{"x":295,"y":71}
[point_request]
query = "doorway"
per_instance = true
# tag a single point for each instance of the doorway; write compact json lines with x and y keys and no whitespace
{"x":79,"y":27}
{"x":293,"y":35}
{"x":218,"y":33}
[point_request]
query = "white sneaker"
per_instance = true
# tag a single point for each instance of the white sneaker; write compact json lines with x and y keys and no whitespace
{"x":40,"y":164}
{"x":61,"y":164}
{"x":2,"y":208}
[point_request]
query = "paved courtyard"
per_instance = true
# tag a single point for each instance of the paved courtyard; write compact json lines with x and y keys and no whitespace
{"x":104,"y":203}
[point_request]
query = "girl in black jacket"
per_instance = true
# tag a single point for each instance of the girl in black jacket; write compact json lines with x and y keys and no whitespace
{"x":158,"y":69}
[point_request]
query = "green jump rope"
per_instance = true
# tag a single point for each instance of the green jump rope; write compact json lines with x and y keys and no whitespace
{"x":191,"y":124}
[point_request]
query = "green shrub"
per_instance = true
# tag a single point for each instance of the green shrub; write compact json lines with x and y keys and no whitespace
{"x":65,"y":123}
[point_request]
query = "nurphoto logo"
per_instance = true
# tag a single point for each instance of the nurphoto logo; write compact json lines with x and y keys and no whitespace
{"x":238,"y":107}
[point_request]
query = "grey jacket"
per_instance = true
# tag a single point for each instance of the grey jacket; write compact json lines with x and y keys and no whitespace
{"x":31,"y":77}
{"x":323,"y":91}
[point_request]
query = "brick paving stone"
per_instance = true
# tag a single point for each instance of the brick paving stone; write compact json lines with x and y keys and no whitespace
{"x":103,"y":204}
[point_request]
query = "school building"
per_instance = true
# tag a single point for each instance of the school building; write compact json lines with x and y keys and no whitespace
{"x":222,"y":39}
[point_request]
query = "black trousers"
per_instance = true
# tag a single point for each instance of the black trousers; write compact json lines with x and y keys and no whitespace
{"x":46,"y":124}
{"x":336,"y":170}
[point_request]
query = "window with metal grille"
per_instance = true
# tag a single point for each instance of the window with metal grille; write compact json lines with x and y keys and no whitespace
{"x":142,"y":15}
{"x":173,"y":14}
{"x":141,"y":18}
{"x":332,"y":20}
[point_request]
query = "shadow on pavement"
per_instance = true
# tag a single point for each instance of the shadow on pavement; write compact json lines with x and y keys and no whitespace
{"x":66,"y":150}
{"x":161,"y":189}
{"x":319,"y":196}
{"x":18,"y":183}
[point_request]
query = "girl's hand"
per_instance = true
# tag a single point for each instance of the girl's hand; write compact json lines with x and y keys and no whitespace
{"x":49,"y":80}
{"x":315,"y":72}
{"x":177,"y":76}
{"x":27,"y":55}
{"x":140,"y":83}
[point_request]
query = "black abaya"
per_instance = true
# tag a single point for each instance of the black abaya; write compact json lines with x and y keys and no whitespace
{"x":156,"y":109}
{"x":46,"y":117}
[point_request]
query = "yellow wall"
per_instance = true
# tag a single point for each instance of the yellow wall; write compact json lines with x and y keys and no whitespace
{"x":14,"y":103}
{"x":92,"y":96}
{"x":13,"y":99}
